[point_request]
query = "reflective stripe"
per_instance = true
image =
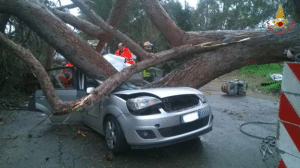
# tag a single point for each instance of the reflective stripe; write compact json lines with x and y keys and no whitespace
{"x":66,"y":82}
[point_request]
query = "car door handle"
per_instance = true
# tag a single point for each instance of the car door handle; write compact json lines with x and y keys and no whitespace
{"x":41,"y":97}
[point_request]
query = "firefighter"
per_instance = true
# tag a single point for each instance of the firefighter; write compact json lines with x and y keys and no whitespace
{"x":149,"y":47}
{"x":125,"y":52}
{"x":150,"y":73}
{"x":65,"y":76}
{"x":292,"y":56}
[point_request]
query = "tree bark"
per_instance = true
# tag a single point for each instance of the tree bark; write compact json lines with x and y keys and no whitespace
{"x":49,"y":59}
{"x":80,"y":24}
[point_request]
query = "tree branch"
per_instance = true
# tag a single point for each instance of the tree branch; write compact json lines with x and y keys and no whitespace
{"x":114,"y":20}
{"x":80,"y":24}
{"x":70,"y":6}
{"x":116,"y":33}
{"x":162,"y":21}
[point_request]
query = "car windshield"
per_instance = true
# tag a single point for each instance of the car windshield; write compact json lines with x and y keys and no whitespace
{"x":126,"y":86}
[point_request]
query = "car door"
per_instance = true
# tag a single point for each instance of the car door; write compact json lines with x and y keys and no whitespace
{"x":75,"y":91}
{"x":92,"y":117}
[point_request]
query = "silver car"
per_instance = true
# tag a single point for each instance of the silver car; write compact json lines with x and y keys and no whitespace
{"x":140,"y":118}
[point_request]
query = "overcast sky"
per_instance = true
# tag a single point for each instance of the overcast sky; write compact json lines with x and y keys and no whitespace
{"x":192,"y":3}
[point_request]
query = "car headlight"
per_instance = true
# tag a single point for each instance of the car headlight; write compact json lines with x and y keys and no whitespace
{"x":142,"y":102}
{"x":202,"y":98}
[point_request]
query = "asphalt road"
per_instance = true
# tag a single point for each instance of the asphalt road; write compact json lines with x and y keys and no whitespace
{"x":225,"y":146}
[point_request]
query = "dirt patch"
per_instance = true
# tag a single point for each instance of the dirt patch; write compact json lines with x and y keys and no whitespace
{"x":253,"y":81}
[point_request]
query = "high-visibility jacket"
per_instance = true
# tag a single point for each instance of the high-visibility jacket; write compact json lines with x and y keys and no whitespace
{"x":65,"y":77}
{"x":126,"y":54}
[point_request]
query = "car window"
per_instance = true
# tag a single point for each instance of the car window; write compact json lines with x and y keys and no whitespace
{"x":91,"y":82}
{"x":62,"y":78}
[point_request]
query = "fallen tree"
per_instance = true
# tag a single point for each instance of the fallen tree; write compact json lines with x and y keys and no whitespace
{"x":204,"y":55}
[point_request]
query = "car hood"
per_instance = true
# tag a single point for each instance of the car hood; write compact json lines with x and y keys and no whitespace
{"x":162,"y":92}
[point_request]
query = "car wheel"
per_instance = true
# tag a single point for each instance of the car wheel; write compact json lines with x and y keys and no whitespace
{"x":114,"y":136}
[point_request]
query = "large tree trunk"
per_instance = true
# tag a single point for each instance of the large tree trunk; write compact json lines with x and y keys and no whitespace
{"x":163,"y":22}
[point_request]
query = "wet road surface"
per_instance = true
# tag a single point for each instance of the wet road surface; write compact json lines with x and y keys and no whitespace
{"x":225,"y":146}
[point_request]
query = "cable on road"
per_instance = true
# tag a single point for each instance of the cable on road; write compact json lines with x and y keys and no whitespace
{"x":256,"y":122}
{"x":267,"y":142}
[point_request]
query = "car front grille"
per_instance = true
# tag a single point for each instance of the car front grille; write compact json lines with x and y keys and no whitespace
{"x":175,"y":103}
{"x":184,"y":128}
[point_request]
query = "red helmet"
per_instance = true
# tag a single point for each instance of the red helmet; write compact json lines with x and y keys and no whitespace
{"x":147,"y":43}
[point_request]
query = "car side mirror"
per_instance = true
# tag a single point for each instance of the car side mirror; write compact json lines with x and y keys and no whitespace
{"x":90,"y":90}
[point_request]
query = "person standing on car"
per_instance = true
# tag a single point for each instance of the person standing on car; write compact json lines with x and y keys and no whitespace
{"x":124,"y":52}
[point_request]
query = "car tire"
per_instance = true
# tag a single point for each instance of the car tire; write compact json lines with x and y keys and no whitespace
{"x":114,"y":136}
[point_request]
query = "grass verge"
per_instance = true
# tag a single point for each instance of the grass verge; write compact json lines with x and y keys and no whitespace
{"x":264,"y":71}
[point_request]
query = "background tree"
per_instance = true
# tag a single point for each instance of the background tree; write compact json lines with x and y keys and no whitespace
{"x":16,"y":77}
{"x":237,"y":14}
